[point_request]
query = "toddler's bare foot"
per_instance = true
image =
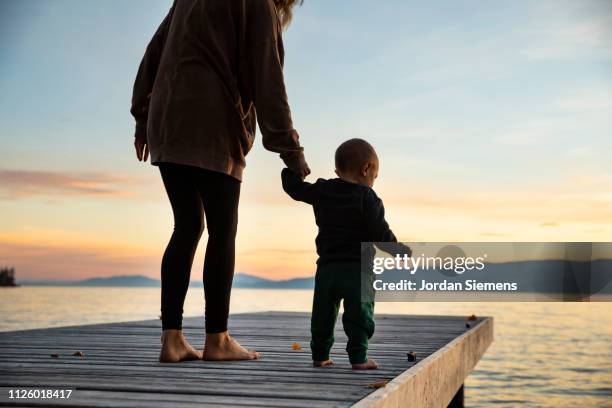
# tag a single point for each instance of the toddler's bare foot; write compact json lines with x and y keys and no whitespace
{"x":323,"y":363}
{"x":176,"y":348}
{"x":368,"y":365}
{"x":222,"y":347}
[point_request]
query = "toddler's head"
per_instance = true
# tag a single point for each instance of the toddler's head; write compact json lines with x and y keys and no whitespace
{"x":357,"y":162}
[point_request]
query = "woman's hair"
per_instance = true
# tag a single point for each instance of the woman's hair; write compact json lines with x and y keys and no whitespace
{"x":285,"y":10}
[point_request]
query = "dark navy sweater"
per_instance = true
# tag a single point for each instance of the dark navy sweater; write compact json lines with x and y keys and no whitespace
{"x":347,"y":214}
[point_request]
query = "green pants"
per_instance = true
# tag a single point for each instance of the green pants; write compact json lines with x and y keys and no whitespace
{"x":335,"y":282}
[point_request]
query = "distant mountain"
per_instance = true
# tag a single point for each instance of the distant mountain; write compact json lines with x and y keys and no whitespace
{"x":241,"y":280}
{"x":124,"y":280}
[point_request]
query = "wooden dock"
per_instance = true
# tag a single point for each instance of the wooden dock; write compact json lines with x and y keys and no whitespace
{"x":120,"y":368}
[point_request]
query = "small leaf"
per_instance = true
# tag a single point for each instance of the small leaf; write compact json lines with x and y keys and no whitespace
{"x":380,"y":384}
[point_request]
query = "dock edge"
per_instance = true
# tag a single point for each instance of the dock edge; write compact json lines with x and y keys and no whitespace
{"x":434,"y":381}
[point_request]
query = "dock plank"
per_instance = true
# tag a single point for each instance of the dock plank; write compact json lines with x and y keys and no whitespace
{"x":120,"y":367}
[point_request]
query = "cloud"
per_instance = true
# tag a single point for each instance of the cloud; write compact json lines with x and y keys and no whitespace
{"x":60,"y":255}
{"x":570,"y":42}
{"x":58,"y":261}
{"x":495,"y":234}
{"x":577,"y":199}
{"x":587,"y":100}
{"x":542,"y":131}
{"x":276,"y":251}
{"x":17,"y":184}
{"x":570,"y":30}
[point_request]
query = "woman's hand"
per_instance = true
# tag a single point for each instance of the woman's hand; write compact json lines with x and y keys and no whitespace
{"x":303,"y":168}
{"x":142,"y":149}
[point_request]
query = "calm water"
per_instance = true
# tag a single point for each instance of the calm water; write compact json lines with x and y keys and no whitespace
{"x":544,"y":354}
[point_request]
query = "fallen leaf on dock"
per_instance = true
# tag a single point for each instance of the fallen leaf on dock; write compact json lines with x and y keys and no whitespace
{"x":296,"y":346}
{"x":78,"y":353}
{"x":380,"y":384}
{"x":55,"y":355}
{"x":472,"y":317}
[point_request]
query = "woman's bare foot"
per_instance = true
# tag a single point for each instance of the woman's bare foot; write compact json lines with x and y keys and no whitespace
{"x":368,"y":365}
{"x":323,"y":363}
{"x":175,"y":348}
{"x":222,"y":347}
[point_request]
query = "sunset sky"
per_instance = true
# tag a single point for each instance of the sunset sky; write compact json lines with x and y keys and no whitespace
{"x":492,"y":120}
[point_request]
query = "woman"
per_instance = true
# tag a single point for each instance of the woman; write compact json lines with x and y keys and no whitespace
{"x":211,"y":70}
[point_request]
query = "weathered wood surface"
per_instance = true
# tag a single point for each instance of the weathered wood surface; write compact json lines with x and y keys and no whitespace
{"x":120,"y":367}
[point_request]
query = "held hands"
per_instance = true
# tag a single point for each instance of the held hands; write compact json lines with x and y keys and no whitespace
{"x":297,"y":163}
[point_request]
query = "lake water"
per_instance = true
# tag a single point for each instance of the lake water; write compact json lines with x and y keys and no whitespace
{"x":544,"y":354}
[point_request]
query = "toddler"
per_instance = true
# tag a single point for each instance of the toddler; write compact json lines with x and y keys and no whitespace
{"x":347,"y":212}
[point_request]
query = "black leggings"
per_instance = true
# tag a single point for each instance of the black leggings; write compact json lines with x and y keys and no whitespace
{"x":193,"y":192}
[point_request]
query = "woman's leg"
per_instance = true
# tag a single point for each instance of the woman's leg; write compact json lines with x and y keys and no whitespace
{"x":220,"y":194}
{"x":178,"y":258}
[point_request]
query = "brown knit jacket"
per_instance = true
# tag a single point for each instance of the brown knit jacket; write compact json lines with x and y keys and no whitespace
{"x":211,"y":65}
